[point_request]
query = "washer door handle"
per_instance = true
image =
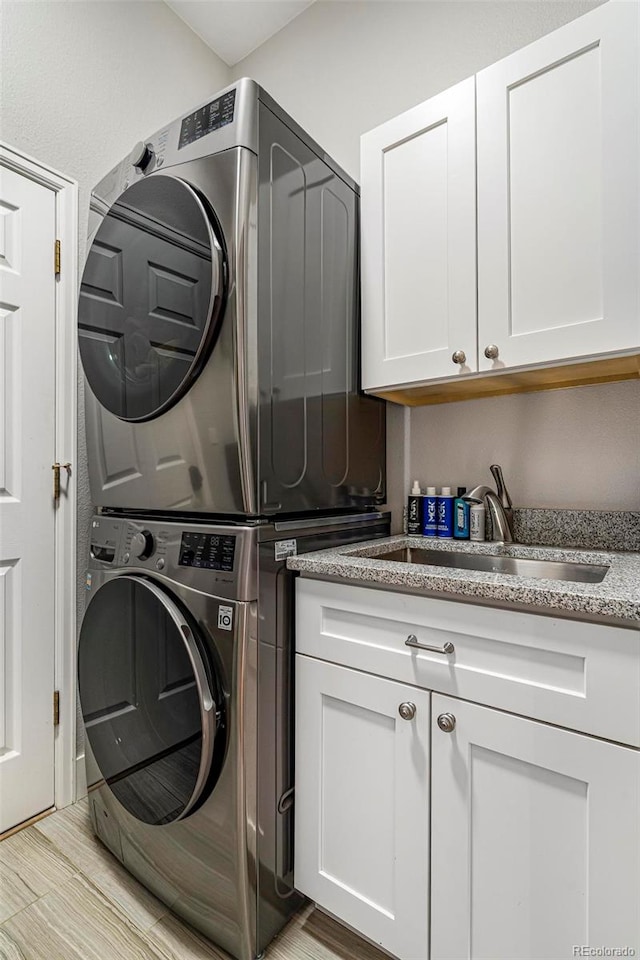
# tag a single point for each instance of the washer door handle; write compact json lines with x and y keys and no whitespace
{"x":195,"y":658}
{"x":207,"y":703}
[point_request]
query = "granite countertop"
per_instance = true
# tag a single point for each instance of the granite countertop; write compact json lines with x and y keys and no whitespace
{"x":615,"y":600}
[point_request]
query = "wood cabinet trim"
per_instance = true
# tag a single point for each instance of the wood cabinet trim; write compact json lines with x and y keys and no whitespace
{"x":576,"y":374}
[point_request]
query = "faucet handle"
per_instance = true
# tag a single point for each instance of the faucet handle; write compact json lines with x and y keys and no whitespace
{"x":501,"y":489}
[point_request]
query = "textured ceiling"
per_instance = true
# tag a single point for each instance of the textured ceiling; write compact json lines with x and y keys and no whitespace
{"x":233,"y":28}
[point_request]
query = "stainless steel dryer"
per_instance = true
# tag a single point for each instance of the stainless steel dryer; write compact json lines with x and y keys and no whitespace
{"x":218,"y":322}
{"x":185,"y":664}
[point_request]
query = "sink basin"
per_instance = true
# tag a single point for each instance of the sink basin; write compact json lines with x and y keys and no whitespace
{"x":513,"y":566}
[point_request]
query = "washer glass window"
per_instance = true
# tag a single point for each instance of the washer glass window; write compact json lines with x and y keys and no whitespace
{"x":152,"y":297}
{"x":148,"y":697}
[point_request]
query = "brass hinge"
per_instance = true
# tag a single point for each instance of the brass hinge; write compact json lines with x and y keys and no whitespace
{"x":56,"y":708}
{"x":57,"y":467}
{"x":56,"y":259}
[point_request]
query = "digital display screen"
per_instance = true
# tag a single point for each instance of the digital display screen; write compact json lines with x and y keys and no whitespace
{"x":207,"y":119}
{"x":209,"y":551}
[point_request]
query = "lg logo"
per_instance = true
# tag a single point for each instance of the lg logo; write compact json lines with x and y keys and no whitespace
{"x":225,"y":618}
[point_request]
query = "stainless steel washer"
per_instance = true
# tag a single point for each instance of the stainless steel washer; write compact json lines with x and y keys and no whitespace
{"x":185,"y":666}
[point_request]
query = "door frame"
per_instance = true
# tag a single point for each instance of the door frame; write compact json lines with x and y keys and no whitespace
{"x":64,"y":519}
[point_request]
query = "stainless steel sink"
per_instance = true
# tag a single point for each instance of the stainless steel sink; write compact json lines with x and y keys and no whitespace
{"x":513,"y":566}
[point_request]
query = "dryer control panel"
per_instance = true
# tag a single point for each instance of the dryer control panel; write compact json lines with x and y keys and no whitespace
{"x":206,"y":119}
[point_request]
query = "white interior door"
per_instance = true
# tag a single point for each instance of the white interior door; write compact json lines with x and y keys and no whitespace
{"x":27,"y":440}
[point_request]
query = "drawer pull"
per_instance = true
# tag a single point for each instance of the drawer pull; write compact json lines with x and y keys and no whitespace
{"x":412,"y":641}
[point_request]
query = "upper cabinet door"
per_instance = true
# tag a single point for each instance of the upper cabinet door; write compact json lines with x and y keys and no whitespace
{"x":558,"y":219}
{"x":418,"y":243}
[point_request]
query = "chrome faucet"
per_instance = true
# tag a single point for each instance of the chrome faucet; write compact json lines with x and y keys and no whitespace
{"x":498,"y":504}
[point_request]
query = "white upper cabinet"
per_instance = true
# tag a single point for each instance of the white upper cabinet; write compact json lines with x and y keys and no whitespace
{"x":558,"y":214}
{"x":419,"y":246}
{"x":557,"y":228}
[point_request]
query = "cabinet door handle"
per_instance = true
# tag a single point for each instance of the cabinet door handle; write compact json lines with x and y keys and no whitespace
{"x":412,"y":641}
{"x":491,"y":352}
{"x":459,"y":357}
{"x":447,"y":722}
{"x":407,"y":710}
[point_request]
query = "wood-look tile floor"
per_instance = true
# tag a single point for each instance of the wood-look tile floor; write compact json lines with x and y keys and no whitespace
{"x":63,"y":896}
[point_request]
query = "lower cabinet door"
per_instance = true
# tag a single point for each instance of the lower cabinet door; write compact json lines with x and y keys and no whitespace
{"x":535,"y":839}
{"x":362,"y":803}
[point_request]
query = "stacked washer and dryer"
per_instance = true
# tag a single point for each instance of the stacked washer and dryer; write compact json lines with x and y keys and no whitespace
{"x":218,"y":329}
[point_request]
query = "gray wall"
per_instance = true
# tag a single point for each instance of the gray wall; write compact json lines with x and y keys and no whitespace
{"x":558,"y":448}
{"x":342,"y":68}
{"x":81,"y":83}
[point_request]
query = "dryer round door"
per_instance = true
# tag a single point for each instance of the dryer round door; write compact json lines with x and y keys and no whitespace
{"x":151,"y":700}
{"x":152,"y":297}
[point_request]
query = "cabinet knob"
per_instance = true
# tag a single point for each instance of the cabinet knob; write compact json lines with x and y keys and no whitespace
{"x":447,"y":722}
{"x":459,"y":357}
{"x":491,"y":352}
{"x":407,"y":710}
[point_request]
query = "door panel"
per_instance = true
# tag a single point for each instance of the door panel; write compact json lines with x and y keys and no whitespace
{"x":418,"y":242}
{"x":27,"y":451}
{"x":558,"y":184}
{"x":556,"y":256}
{"x":535,"y":838}
{"x":362,"y":803}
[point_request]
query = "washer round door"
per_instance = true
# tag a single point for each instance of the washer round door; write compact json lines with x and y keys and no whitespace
{"x":152,"y":297}
{"x":149,"y":693}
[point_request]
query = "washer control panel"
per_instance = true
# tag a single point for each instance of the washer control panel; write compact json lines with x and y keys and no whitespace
{"x":211,"y":551}
{"x":142,"y":544}
{"x":214,"y":558}
{"x":105,"y":536}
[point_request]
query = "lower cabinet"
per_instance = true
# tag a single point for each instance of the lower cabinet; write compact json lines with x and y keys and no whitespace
{"x":535,"y":839}
{"x":362,"y":803}
{"x":534,"y":830}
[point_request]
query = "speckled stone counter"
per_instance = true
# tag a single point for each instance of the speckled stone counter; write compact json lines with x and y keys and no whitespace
{"x":578,"y":529}
{"x":615,"y":600}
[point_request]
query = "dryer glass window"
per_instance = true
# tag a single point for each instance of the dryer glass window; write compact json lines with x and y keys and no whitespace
{"x":151,"y":298}
{"x":151,"y":726}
